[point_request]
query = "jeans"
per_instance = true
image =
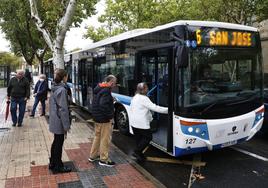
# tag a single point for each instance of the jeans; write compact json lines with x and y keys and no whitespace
{"x":13,"y":109}
{"x":143,"y":138}
{"x":56,"y":151}
{"x":102,"y":140}
{"x":43,"y":103}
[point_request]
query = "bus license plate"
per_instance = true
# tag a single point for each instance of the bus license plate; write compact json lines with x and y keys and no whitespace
{"x":226,"y":144}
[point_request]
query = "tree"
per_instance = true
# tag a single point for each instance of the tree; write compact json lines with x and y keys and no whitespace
{"x":53,"y":19}
{"x":125,"y":15}
{"x":101,"y":33}
{"x":20,"y":30}
{"x":11,"y":60}
{"x":239,"y":11}
{"x":262,"y":9}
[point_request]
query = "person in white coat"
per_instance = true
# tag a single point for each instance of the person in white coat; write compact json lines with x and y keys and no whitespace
{"x":141,"y":107}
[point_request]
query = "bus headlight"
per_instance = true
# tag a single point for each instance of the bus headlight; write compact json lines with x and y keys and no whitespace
{"x":190,"y":129}
{"x":197,"y":130}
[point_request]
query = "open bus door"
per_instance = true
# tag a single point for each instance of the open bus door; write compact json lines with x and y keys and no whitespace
{"x":153,"y":68}
{"x":85,"y":83}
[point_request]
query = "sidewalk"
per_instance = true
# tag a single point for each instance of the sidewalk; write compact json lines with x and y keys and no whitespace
{"x":24,"y":153}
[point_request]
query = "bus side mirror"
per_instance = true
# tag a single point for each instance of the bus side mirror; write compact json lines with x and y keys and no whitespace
{"x":182,"y":56}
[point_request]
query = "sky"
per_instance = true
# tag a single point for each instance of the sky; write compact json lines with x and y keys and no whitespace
{"x":74,"y":37}
{"x":4,"y":44}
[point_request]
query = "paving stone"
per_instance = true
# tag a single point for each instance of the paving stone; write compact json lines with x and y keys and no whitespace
{"x":92,"y":178}
{"x":106,"y":171}
{"x":25,"y":151}
{"x":76,"y":184}
{"x":116,"y":156}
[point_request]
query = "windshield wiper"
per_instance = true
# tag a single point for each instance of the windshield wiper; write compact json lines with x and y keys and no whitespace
{"x":223,"y":101}
{"x":254,"y":96}
{"x":246,"y":94}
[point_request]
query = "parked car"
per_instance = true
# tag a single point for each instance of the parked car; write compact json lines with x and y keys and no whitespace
{"x":12,"y":74}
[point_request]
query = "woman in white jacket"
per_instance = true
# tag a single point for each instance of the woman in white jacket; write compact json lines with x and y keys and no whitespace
{"x":141,"y":116}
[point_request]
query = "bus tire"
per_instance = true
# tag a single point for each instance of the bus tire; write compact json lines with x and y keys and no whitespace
{"x":121,"y":120}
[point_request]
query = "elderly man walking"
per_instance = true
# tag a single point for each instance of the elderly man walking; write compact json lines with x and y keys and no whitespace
{"x":40,"y":94}
{"x":18,"y":91}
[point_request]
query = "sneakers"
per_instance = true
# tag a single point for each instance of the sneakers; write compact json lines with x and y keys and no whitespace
{"x":108,"y":163}
{"x":93,"y":159}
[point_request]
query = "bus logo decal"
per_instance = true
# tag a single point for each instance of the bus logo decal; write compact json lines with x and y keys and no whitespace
{"x":233,"y":131}
{"x":234,"y":128}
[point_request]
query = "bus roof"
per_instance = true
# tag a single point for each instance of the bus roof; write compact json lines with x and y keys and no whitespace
{"x":139,"y":32}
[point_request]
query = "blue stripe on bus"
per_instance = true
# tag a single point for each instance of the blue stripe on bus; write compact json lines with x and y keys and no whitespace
{"x":185,"y":151}
{"x":122,"y":98}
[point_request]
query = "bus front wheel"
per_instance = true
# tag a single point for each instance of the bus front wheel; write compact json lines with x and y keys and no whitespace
{"x":121,"y":120}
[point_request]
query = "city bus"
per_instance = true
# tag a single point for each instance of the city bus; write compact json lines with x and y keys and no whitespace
{"x":49,"y":70}
{"x":208,"y":74}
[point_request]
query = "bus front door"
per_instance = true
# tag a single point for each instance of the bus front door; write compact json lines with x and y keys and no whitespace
{"x":153,"y":69}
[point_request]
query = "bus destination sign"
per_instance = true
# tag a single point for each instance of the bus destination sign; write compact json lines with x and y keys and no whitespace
{"x":217,"y":37}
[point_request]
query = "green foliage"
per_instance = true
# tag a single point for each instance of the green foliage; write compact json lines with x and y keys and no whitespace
{"x":124,"y":15}
{"x":239,"y":11}
{"x":10,"y":59}
{"x":129,"y":14}
{"x":51,"y":11}
{"x":19,"y":28}
{"x":262,"y":10}
{"x":101,"y":33}
{"x":21,"y":31}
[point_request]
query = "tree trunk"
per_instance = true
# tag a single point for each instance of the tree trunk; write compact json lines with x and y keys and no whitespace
{"x":58,"y":58}
{"x":42,"y":66}
{"x":56,"y":45}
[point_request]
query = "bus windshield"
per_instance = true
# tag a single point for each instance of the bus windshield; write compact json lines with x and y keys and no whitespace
{"x":218,"y":77}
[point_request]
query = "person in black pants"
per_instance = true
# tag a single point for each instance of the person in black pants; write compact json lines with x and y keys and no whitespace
{"x":143,"y":138}
{"x":40,"y":94}
{"x":140,"y":118}
{"x":59,"y":120}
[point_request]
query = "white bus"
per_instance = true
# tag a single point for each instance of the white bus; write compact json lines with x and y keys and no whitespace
{"x":209,"y":75}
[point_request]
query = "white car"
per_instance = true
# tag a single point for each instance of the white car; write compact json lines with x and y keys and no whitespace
{"x":12,"y":74}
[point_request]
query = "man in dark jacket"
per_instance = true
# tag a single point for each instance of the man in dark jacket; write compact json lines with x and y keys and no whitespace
{"x":18,"y":91}
{"x":103,"y":113}
{"x":40,"y":94}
